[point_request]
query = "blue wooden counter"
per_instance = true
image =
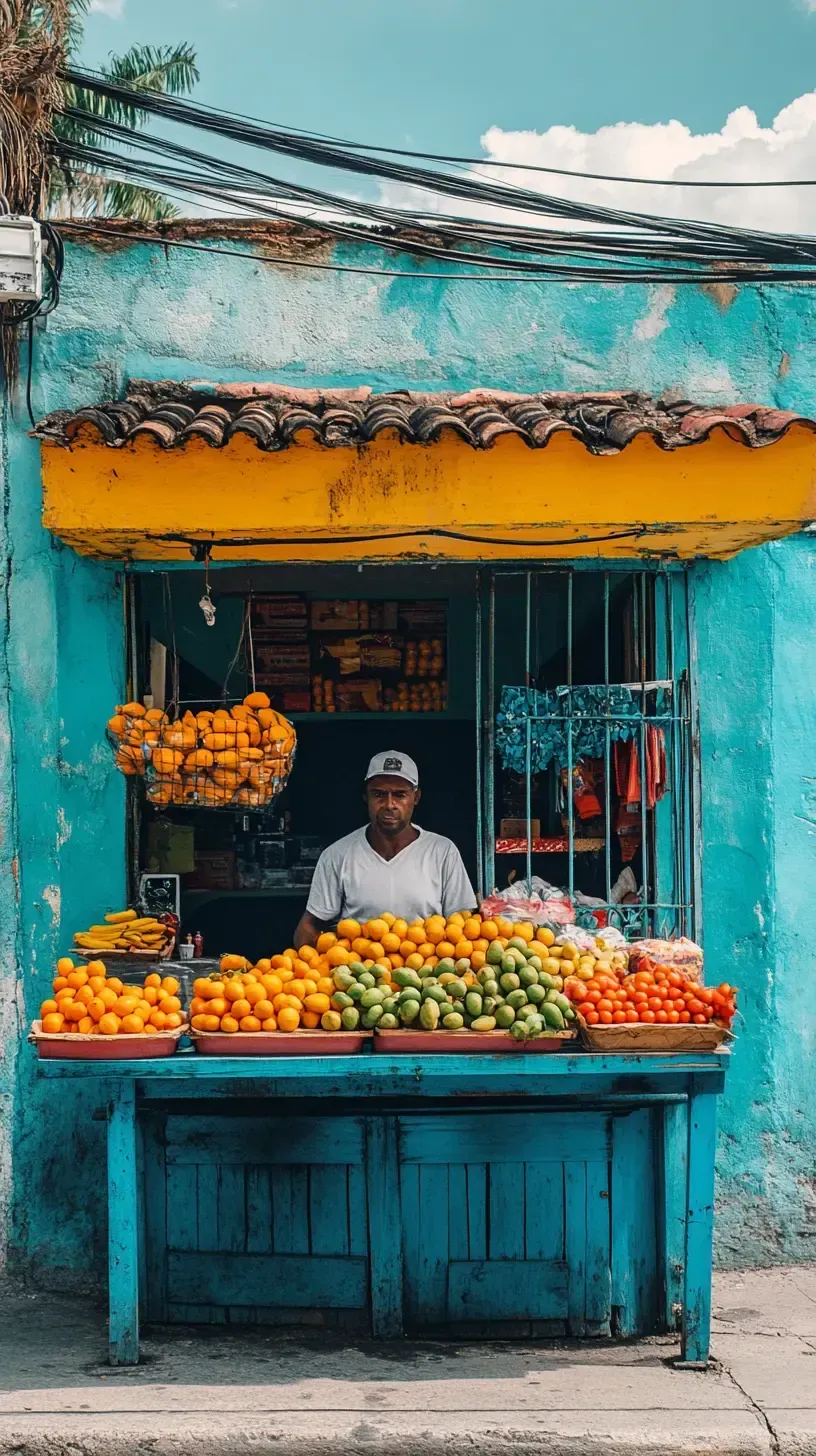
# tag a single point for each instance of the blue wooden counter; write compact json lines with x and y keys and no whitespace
{"x":517,"y":1194}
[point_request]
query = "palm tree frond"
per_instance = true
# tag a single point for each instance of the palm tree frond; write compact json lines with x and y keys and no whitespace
{"x":142,"y":204}
{"x":171,"y":69}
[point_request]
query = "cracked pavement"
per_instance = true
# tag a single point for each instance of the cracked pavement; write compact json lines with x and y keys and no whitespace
{"x":239,"y":1389}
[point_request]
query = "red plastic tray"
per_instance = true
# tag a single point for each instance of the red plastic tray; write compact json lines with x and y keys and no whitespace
{"x":74,"y":1046}
{"x":467,"y":1041}
{"x":279,"y":1043}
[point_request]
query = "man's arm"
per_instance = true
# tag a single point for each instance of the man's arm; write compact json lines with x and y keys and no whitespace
{"x":325,"y":904}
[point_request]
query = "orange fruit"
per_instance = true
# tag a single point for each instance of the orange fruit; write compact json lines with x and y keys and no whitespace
{"x":158,"y":1020}
{"x":348,"y":929}
{"x":96,"y":983}
{"x":109,"y":1024}
{"x":254,"y":994}
{"x":272,"y":984}
{"x":217,"y":1007}
{"x":170,"y":985}
{"x":407,"y":947}
{"x":463,"y":951}
{"x":472,"y":928}
{"x":150,"y":1030}
{"x":526,"y":930}
{"x":175,"y":1020}
{"x":490,"y":929}
{"x":375,"y":928}
{"x":263,"y":1008}
{"x":126,"y":1005}
{"x":445,"y":948}
{"x":431,"y":960}
{"x":97,"y":968}
{"x":337,"y":956}
{"x":326,"y":941}
{"x":416,"y":934}
{"x":77,"y":978}
{"x":400,"y":928}
{"x":481,"y":944}
{"x":233,"y":991}
{"x":318,"y":1002}
{"x":53,"y":1023}
{"x":390,"y":943}
{"x":205,"y":1023}
{"x":172,"y":1003}
{"x":59,"y":983}
{"x":425,"y":948}
{"x":297,"y":988}
{"x":288,"y":1019}
{"x":250,"y":1023}
{"x":269,"y":1024}
{"x":109,"y":997}
{"x":114,"y":983}
{"x":228,"y":1023}
{"x":86,"y":1025}
{"x":96,"y":1008}
{"x":151,"y":995}
{"x":310,"y":1020}
{"x":456,"y":919}
{"x":64,"y":965}
{"x":132,"y":1026}
{"x":264,"y":966}
{"x":48,"y":1008}
{"x":434,"y":932}
{"x":326,"y":985}
{"x":72,"y":1010}
{"x":478,"y":960}
{"x":241,"y":1008}
{"x":154,"y":979}
{"x":414,"y":962}
{"x":83,"y":995}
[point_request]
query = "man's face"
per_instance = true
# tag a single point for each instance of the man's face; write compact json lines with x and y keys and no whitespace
{"x":391,"y":803}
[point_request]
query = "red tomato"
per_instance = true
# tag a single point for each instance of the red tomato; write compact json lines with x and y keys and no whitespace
{"x":631,"y":1017}
{"x":605,"y":1018}
{"x":647,"y":1015}
{"x":605,"y":1005}
{"x":695,"y":1006}
{"x":699,"y":1020}
{"x":685,"y":1016}
{"x":662,"y":1017}
{"x":591,"y":1018}
{"x":655,"y":1003}
{"x":618,"y":1017}
{"x":674,"y":1017}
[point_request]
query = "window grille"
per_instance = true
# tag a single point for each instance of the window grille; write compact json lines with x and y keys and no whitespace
{"x":584,"y":677}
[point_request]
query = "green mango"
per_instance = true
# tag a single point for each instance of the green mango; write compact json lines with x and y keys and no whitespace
{"x":473,"y":1003}
{"x":447,"y":963}
{"x":519,"y":957}
{"x":457,"y":989}
{"x":528,"y":977}
{"x":355,"y":969}
{"x":409,"y":994}
{"x":390,"y":1005}
{"x":534,"y":962}
{"x":490,"y":986}
{"x":563,"y":1003}
{"x":429,"y":1015}
{"x":505,"y":1016}
{"x":509,"y":982}
{"x":340,"y":1000}
{"x":519,"y":1030}
{"x":357,"y":990}
{"x":366,"y":980}
{"x":483,"y":1023}
{"x":552,"y":997}
{"x":534,"y":1025}
{"x":453,"y":1021}
{"x":343,"y":978}
{"x":536,"y":994}
{"x":409,"y":1012}
{"x":350,"y":1018}
{"x":489,"y":1004}
{"x":387,"y":1022}
{"x":462,"y":966}
{"x":434,"y":993}
{"x":517,"y":943}
{"x":546,"y":980}
{"x":517,"y":998}
{"x":427,"y":971}
{"x":551,"y":1015}
{"x":495,"y":953}
{"x":523,"y":1013}
{"x":372,"y":997}
{"x":508,"y":963}
{"x":404,"y":977}
{"x":371,"y":1016}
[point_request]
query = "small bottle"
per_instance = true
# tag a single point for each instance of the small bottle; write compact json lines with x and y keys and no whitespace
{"x":198,"y":943}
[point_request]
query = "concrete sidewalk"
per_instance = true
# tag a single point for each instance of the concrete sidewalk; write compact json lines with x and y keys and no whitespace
{"x":237,"y":1392}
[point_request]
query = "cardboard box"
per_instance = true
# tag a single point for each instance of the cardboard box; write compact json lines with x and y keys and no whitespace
{"x":214,"y":870}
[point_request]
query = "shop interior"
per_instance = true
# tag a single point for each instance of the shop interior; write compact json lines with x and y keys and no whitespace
{"x":361,"y":659}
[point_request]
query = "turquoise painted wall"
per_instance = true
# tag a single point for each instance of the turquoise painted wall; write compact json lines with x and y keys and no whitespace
{"x":136,"y":312}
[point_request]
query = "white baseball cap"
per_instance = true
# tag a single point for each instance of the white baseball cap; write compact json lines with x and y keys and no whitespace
{"x":399,"y":765}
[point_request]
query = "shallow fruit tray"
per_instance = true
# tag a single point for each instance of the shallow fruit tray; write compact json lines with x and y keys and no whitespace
{"x":645,"y":1038}
{"x":75,"y":1046}
{"x":467,"y":1041}
{"x":121,"y":957}
{"x":279,"y":1043}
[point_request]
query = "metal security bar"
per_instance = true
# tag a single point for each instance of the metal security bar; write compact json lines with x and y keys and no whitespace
{"x":583,"y":677}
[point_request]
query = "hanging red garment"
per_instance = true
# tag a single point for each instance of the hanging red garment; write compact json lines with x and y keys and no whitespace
{"x":629,"y":788}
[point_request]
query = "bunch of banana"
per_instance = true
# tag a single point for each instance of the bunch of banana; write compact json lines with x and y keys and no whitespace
{"x":124,"y":930}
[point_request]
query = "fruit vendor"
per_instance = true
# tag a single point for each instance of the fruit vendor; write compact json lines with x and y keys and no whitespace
{"x":389,"y":862}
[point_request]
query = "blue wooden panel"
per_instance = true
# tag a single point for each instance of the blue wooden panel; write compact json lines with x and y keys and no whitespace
{"x":155,"y":1206}
{"x":209,"y":1233}
{"x":702,"y":1148}
{"x":498,"y":1137}
{"x":294,"y":1140}
{"x":270,"y":1279}
{"x":598,"y":1283}
{"x":182,"y":1207}
{"x":409,"y":1203}
{"x":575,"y":1214}
{"x":672,"y":1205}
{"x":636,"y":1295}
{"x":290,"y":1209}
{"x":506,"y":1236}
{"x":458,"y":1242}
{"x":477,"y":1210}
{"x":383,"y":1190}
{"x":432,"y":1272}
{"x":328,"y":1209}
{"x":231,"y":1208}
{"x":357,"y":1211}
{"x":504,"y":1290}
{"x":544,"y":1210}
{"x":258,"y":1210}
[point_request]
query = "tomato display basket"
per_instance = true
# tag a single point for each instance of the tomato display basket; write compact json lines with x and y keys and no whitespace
{"x":305,"y":1043}
{"x":652,"y":1038}
{"x":75,"y":1046}
{"x":465,"y":1040}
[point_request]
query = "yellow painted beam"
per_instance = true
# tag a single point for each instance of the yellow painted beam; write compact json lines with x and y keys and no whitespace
{"x":305,"y":503}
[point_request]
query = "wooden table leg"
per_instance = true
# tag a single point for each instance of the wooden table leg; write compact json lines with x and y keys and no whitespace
{"x":702,"y":1148}
{"x":123,"y":1255}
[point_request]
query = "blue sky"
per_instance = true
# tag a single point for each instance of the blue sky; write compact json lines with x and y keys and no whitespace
{"x":440,"y":72}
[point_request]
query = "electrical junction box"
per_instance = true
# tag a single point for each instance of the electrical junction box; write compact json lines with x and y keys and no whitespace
{"x":20,"y":260}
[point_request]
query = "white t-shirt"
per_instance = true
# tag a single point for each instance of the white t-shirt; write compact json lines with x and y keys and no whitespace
{"x":426,"y":878}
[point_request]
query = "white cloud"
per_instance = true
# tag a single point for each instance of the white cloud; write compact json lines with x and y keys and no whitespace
{"x":116,"y":8}
{"x":740,"y":150}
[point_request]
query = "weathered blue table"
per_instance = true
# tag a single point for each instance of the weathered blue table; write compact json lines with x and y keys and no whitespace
{"x":504,"y":1194}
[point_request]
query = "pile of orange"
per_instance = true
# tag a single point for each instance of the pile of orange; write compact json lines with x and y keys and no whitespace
{"x":89,"y":1001}
{"x":389,"y":940}
{"x":239,"y":756}
{"x":280,"y":994}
